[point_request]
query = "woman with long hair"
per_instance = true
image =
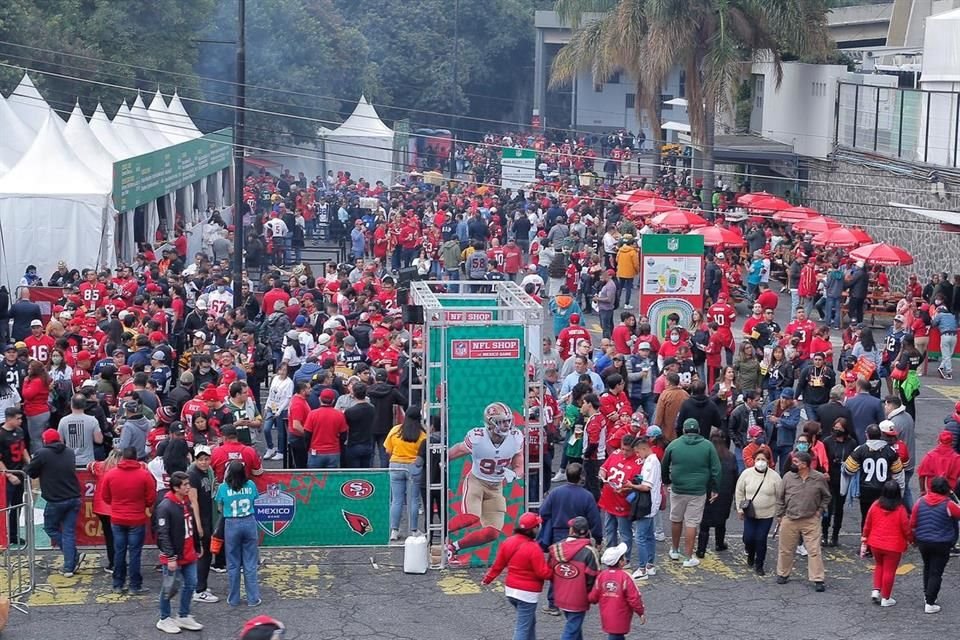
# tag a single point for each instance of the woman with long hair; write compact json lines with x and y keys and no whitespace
{"x":838,"y":446}
{"x":402,"y":444}
{"x":921,"y":333}
{"x":236,"y":496}
{"x":201,"y":432}
{"x":36,"y":408}
{"x":293,"y":352}
{"x":908,"y":361}
{"x":779,"y":373}
{"x":717,"y":511}
{"x":747,"y":368}
{"x":278,"y":401}
{"x":886,"y":532}
{"x":101,"y":508}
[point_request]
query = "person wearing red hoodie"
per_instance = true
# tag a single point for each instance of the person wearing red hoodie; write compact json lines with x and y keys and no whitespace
{"x":575,"y":565}
{"x":130,"y":490}
{"x":942,"y":460}
{"x":887,"y":533}
{"x":526,"y":569}
{"x":617,"y":594}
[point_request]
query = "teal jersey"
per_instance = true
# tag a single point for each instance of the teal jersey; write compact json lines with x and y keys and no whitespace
{"x":237,"y":504}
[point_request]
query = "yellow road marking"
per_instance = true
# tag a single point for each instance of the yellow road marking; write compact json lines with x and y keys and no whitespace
{"x":458,"y":584}
{"x":904,"y":569}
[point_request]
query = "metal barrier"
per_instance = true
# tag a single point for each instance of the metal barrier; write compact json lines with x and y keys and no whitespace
{"x":18,"y":557}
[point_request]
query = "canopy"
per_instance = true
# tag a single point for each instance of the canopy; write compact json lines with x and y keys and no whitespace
{"x":180,"y":118}
{"x":842,"y":238}
{"x":678,"y":219}
{"x":651,"y":206}
{"x":795,"y":214}
{"x":145,"y":123}
{"x":102,"y":128}
{"x":363,"y":145}
{"x":631,"y":197}
{"x":127,"y":130}
{"x":28,"y":104}
{"x":16,"y":138}
{"x":87,"y":147}
{"x":72,"y":213}
{"x":719,"y":237}
{"x":748,"y":198}
{"x":165,"y":121}
{"x":816,"y":225}
{"x":769,"y":203}
{"x":883,"y":254}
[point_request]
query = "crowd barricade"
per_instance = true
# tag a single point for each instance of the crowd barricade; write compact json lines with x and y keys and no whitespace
{"x":18,"y":560}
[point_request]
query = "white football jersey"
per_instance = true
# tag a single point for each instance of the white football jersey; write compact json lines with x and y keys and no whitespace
{"x":489,"y":459}
{"x":219,"y":303}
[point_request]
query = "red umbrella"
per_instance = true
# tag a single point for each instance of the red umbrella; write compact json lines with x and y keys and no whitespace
{"x":769,"y":203}
{"x":630,"y":197}
{"x":748,"y":199}
{"x":719,"y":237}
{"x":795,"y":214}
{"x":678,"y":219}
{"x":651,"y":206}
{"x":816,"y":225}
{"x":883,"y":254}
{"x":842,"y":238}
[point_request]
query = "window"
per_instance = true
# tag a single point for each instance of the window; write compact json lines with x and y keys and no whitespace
{"x":758,"y":92}
{"x":598,"y":87}
{"x":664,"y":97}
{"x":682,"y":91}
{"x":614,"y":78}
{"x":631,"y":99}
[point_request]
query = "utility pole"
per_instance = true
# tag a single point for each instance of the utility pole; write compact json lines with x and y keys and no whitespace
{"x":456,"y":78}
{"x":239,"y":120}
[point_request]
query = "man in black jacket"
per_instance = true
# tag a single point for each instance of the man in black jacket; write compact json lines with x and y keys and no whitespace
{"x":744,"y":416}
{"x":384,"y":397}
{"x":180,"y":547}
{"x":54,"y":465}
{"x":829,"y":413}
{"x":701,"y":408}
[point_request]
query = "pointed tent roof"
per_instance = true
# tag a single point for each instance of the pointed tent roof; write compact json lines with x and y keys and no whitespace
{"x":364,"y":122}
{"x":51,"y":155}
{"x":164,"y":121}
{"x":101,"y":127}
{"x":16,"y":138}
{"x":180,"y":118}
{"x":145,"y":123}
{"x":28,"y":104}
{"x":127,"y":130}
{"x":86,"y":146}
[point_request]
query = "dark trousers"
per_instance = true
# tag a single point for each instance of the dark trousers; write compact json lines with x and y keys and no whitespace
{"x":358,"y":455}
{"x":107,"y":538}
{"x":298,"y":451}
{"x":703,"y":536}
{"x":592,"y":481}
{"x":855,"y":309}
{"x":203,"y":563}
{"x":14,"y":499}
{"x":835,"y":512}
{"x":935,"y":556}
{"x":755,"y":532}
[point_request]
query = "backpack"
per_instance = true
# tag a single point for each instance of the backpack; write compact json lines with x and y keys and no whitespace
{"x":558,"y":266}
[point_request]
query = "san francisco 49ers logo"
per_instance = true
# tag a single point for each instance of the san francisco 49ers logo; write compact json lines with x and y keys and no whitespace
{"x":357,"y":489}
{"x":566,"y":570}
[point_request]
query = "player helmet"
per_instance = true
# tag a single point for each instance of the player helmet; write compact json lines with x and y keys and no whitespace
{"x":498,"y":417}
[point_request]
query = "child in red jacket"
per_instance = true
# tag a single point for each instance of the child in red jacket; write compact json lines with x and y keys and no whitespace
{"x":617,"y":594}
{"x":886,"y":531}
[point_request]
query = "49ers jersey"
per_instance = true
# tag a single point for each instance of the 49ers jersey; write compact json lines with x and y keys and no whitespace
{"x":489,"y":459}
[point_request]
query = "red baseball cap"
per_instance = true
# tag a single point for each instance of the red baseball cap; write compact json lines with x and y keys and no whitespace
{"x":125,"y":369}
{"x":157,"y":336}
{"x":574,"y":318}
{"x":84,"y":355}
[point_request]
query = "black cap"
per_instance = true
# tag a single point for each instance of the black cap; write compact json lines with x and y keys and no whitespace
{"x":579,"y":526}
{"x":381,"y":375}
{"x":176,"y":428}
{"x":12,"y":412}
{"x":228,"y":430}
{"x":669,"y":361}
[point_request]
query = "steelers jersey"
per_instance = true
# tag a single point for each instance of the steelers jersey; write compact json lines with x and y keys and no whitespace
{"x":875,"y":465}
{"x":489,"y":459}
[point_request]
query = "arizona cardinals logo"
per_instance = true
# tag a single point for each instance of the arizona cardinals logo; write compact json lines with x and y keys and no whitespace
{"x":359,"y":524}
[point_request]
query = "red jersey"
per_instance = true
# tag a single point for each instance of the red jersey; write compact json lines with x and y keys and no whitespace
{"x":512,"y":260}
{"x":748,"y":326}
{"x":190,"y":408}
{"x":39,"y":347}
{"x":380,"y":242}
{"x":611,"y":406}
{"x":496,"y":255}
{"x":573,"y":278}
{"x":93,"y":295}
{"x":724,"y":315}
{"x":388,"y":298}
{"x":806,"y":329}
{"x":189,"y":553}
{"x":324,"y":426}
{"x":410,"y":235}
{"x":619,"y":469}
{"x":568,"y":339}
{"x":234,"y":451}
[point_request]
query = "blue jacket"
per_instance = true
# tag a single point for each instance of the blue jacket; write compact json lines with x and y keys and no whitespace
{"x":944,"y":322}
{"x":786,"y":427}
{"x":562,"y":505}
{"x":866,"y":409}
{"x":933,"y":522}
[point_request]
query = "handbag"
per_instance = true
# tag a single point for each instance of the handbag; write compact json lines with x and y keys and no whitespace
{"x":898,"y":374}
{"x":642,"y":503}
{"x":747,"y":505}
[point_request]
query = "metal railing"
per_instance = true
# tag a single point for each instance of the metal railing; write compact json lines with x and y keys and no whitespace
{"x":18,"y":556}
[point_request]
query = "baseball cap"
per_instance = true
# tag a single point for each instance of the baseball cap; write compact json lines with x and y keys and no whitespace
{"x":690,"y":425}
{"x":50,"y":436}
{"x":157,"y":336}
{"x":176,"y":428}
{"x":36,"y":323}
{"x":574,"y":318}
{"x":754,"y":431}
{"x":612,"y":555}
{"x":200,"y":334}
{"x":89,"y":382}
{"x":159,"y":356}
{"x":643,"y":345}
{"x":787,"y":394}
{"x":252,"y":629}
{"x":956,"y":408}
{"x":579,"y":525}
{"x":611,"y":272}
{"x":328,"y":396}
{"x":531,"y":267}
{"x":125,"y":370}
{"x":10,"y":347}
{"x":898,"y":318}
{"x":84,"y":355}
{"x":528,"y":521}
{"x":888,"y":428}
{"x":653,"y":431}
{"x":201,"y":450}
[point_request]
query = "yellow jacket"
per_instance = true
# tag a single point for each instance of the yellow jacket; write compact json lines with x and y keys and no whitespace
{"x":628,"y":261}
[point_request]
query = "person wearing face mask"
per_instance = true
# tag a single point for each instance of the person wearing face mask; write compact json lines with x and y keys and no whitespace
{"x":838,"y":446}
{"x":801,"y":499}
{"x":755,"y":497}
{"x":669,"y":348}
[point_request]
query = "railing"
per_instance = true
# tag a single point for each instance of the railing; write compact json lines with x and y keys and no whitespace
{"x":18,"y":556}
{"x":907,"y":124}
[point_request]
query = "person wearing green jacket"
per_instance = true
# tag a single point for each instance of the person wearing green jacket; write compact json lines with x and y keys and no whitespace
{"x":691,"y":468}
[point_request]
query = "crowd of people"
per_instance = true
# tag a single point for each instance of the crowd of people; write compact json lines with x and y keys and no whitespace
{"x":173,"y":394}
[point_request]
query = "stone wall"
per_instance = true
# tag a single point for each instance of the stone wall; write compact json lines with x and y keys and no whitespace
{"x":860,"y":195}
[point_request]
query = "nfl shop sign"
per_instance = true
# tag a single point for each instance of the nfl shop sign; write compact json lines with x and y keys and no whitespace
{"x":484,"y":349}
{"x":468,"y":316}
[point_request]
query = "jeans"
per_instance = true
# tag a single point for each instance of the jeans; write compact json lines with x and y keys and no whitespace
{"x":14,"y":499}
{"x":36,"y":425}
{"x":782,"y":452}
{"x":452,"y":275}
{"x":833,"y":312}
{"x":60,"y":524}
{"x":948,"y":344}
{"x":935,"y":556}
{"x":383,"y":458}
{"x":794,"y":302}
{"x":617,"y":530}
{"x":127,"y":540}
{"x":323,"y":461}
{"x":188,"y":586}
{"x":624,"y":286}
{"x":526,"y":628}
{"x":646,"y":402}
{"x":606,"y":322}
{"x":573,"y":629}
{"x":404,"y":487}
{"x":298,"y":452}
{"x":755,"y":532}
{"x":358,"y":456}
{"x":273,"y":421}
{"x":240,"y":541}
{"x":644,"y":542}
{"x":907,"y":493}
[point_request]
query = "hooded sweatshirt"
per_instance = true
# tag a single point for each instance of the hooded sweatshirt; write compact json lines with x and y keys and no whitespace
{"x":562,"y":306}
{"x":54,"y":465}
{"x":134,"y":434}
{"x":702,"y":409}
{"x":129,"y":489}
{"x":942,"y":460}
{"x":384,"y":396}
{"x":691,"y":465}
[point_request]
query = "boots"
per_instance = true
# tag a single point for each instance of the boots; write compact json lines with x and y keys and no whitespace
{"x":759,"y":569}
{"x":834,"y":540}
{"x":750,"y":556}
{"x":702,"y":537}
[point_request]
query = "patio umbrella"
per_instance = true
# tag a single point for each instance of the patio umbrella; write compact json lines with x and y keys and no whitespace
{"x":842,"y":238}
{"x":630,"y":197}
{"x":883,"y":254}
{"x":678,"y":219}
{"x":748,"y":199}
{"x":650,"y":207}
{"x":816,"y":225}
{"x":769,"y":203}
{"x":795,"y":214}
{"x":719,"y":237}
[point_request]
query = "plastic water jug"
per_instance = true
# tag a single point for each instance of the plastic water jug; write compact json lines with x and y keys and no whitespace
{"x":416,"y":554}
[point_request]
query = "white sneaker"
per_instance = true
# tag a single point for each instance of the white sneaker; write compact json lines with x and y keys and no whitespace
{"x":627,"y":306}
{"x":188,"y":623}
{"x":269,"y":454}
{"x":640,"y":574}
{"x":887,"y":602}
{"x":559,"y":476}
{"x":205,"y":596}
{"x":651,"y":570}
{"x":802,"y":551}
{"x":875,"y":596}
{"x":659,"y":536}
{"x":691,"y":562}
{"x":931,"y":608}
{"x":277,"y":456}
{"x":394,"y":535}
{"x":674,"y":554}
{"x":168,"y":625}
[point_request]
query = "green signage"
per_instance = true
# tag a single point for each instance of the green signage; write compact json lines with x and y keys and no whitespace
{"x":679,"y":244}
{"x":143,"y":178}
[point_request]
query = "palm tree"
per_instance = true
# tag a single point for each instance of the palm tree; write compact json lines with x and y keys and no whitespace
{"x":710,"y":39}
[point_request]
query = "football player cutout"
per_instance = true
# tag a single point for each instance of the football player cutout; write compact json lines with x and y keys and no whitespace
{"x":496,"y":456}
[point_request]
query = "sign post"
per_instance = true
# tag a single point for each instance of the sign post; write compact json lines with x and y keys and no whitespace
{"x":671,"y":278}
{"x":518,"y":167}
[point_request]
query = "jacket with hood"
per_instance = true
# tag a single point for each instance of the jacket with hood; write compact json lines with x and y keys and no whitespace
{"x":54,"y":464}
{"x":134,"y":434}
{"x":384,"y":396}
{"x":952,"y":424}
{"x":691,"y":465}
{"x":274,"y":329}
{"x":628,"y":261}
{"x":562,"y":307}
{"x":942,"y":460}
{"x":571,"y":589}
{"x":704,"y":411}
{"x":130,"y":490}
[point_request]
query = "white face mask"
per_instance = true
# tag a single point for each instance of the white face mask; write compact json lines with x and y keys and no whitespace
{"x":674,"y":338}
{"x":760,"y":465}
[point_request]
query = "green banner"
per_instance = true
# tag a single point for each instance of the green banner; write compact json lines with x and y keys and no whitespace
{"x":672,"y":243}
{"x":332,"y":508}
{"x":143,"y":178}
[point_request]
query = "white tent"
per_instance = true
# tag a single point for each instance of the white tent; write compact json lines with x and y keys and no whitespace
{"x":16,"y":138}
{"x":937,"y":124}
{"x":165,"y":121}
{"x":149,"y":130}
{"x":102,"y":128}
{"x":127,"y":130}
{"x":363,"y":145}
{"x":87,"y":147}
{"x":180,"y":118}
{"x":43,"y":220}
{"x":28,"y":104}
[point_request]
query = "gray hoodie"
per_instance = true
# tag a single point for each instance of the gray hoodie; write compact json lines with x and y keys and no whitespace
{"x":133,"y":433}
